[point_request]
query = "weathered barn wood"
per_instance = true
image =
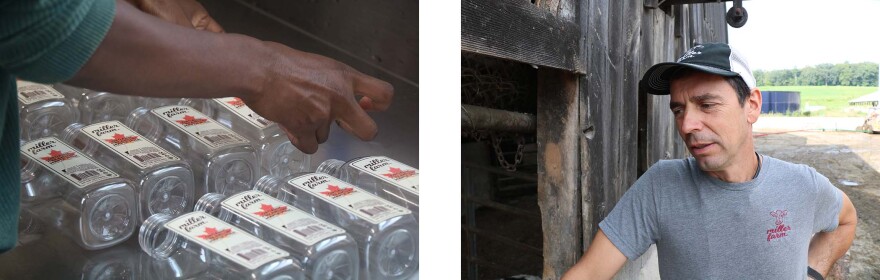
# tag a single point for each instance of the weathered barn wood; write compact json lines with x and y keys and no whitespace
{"x":520,"y":31}
{"x":476,"y":118}
{"x":558,"y":168}
{"x":624,"y":133}
{"x":596,"y":134}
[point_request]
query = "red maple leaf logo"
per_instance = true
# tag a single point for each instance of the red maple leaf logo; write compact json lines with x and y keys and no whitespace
{"x":212,"y":234}
{"x":397,"y":173}
{"x":119,"y":139}
{"x":335,"y":191}
{"x":54,"y":153}
{"x":190,"y":120}
{"x":237,"y":102}
{"x":56,"y":156}
{"x":269,"y":211}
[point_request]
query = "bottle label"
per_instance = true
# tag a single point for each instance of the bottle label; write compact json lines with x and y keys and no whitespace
{"x":281,"y":217}
{"x":395,"y":173}
{"x":29,"y":93}
{"x":237,"y":106}
{"x":200,"y":127}
{"x":345,"y":196}
{"x":70,"y":164}
{"x":225,"y":239}
{"x":128,"y":144}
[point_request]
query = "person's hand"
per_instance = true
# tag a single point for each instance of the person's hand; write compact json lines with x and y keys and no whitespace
{"x":304,"y":93}
{"x":187,"y":13}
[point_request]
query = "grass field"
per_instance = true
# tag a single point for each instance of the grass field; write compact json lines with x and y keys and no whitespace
{"x":834,"y":98}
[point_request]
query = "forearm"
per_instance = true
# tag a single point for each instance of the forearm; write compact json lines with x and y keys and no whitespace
{"x":827,"y":247}
{"x":142,"y":55}
{"x":601,"y":261}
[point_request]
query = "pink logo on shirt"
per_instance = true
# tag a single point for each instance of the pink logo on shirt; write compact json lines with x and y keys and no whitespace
{"x":781,"y":230}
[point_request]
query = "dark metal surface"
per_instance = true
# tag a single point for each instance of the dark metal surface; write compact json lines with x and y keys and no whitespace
{"x":398,"y":127}
{"x":54,"y":256}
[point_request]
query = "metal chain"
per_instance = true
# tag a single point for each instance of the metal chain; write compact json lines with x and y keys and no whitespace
{"x":517,"y":159}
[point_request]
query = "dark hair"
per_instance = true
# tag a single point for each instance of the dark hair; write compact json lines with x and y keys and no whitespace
{"x":739,"y":85}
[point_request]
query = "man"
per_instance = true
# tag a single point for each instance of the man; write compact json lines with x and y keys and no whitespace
{"x":727,"y":212}
{"x":112,"y":46}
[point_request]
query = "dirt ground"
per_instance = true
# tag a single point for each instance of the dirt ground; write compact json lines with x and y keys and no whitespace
{"x":851,"y":161}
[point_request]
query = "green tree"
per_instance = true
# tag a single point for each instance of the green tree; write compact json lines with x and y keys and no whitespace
{"x":825,"y":74}
{"x":759,"y":77}
{"x":810,"y":76}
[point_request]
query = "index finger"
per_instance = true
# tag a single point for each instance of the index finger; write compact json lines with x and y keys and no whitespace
{"x":380,"y":92}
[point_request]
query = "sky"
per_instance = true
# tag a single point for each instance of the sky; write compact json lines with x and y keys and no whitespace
{"x":785,"y":34}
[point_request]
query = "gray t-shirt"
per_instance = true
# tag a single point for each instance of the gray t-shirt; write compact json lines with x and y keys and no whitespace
{"x":705,"y":228}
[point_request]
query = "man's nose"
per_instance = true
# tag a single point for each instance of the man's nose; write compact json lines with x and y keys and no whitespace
{"x":691,"y":121}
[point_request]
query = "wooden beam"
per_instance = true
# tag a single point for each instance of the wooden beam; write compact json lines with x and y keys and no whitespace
{"x":482,"y":118}
{"x":558,"y":170}
{"x":681,"y":2}
{"x":520,"y":31}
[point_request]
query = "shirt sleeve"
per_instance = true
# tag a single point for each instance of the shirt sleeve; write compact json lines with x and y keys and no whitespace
{"x":48,"y":41}
{"x":632,"y":226}
{"x":828,"y":202}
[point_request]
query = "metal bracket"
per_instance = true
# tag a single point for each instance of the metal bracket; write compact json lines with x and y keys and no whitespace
{"x":737,"y":15}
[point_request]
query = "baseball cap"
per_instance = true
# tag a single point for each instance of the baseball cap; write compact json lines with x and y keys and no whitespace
{"x":713,"y":58}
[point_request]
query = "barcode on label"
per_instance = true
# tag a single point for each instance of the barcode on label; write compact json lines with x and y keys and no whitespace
{"x":374,"y":210}
{"x":32,"y":94}
{"x":309,"y":230}
{"x":218,"y":138}
{"x":146,"y":157}
{"x":250,"y":255}
{"x":85,"y":174}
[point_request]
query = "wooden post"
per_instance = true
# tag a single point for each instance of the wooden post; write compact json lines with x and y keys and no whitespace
{"x":558,"y":170}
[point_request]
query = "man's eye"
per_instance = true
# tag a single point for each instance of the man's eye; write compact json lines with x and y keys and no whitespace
{"x":676,"y":111}
{"x":708,"y":105}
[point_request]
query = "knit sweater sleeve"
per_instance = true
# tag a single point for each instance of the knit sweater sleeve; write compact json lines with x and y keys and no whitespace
{"x":48,"y":41}
{"x":44,"y":41}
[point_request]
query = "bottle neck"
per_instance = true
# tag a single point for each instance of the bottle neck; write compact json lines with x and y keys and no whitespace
{"x":331,"y":166}
{"x":71,"y":132}
{"x":154,"y":238}
{"x":139,"y":120}
{"x":210,"y":203}
{"x":269,"y":185}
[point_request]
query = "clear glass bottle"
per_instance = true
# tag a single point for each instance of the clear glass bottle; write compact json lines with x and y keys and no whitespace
{"x":156,"y":102}
{"x":326,"y":251}
{"x":97,"y":106}
{"x":222,"y":160}
{"x":43,"y":110}
{"x":37,"y":184}
{"x":164,"y":181}
{"x":387,"y":234}
{"x":197,"y":243}
{"x":276,"y":154}
{"x":382,"y":176}
{"x":95,"y":206}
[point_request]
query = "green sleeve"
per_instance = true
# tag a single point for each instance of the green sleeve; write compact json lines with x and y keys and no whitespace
{"x":48,"y":41}
{"x":44,"y":41}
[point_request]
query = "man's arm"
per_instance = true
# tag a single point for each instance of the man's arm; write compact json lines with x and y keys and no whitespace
{"x":827,"y":247}
{"x":601,"y":261}
{"x":305,"y":93}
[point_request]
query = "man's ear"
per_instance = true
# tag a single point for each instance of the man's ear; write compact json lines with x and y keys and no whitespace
{"x":753,"y":105}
